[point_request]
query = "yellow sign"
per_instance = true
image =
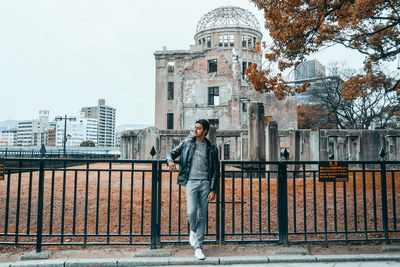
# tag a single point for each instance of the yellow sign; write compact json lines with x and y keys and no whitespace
{"x":333,"y":171}
{"x":2,"y":168}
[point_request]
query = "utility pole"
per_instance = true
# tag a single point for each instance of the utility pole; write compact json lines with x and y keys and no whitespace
{"x":59,"y":118}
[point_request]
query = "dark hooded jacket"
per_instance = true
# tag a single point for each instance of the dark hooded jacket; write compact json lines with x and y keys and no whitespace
{"x":185,"y":150}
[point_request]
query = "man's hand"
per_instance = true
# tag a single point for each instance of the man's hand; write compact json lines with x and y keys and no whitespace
{"x":172,"y":166}
{"x":211,"y":196}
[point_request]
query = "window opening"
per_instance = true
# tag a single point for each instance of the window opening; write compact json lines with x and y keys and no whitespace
{"x":213,"y":95}
{"x":231,"y":40}
{"x":226,"y":151}
{"x":208,"y":41}
{"x":220,"y":40}
{"x":171,"y":66}
{"x":170,"y":121}
{"x":244,"y":107}
{"x":212,"y":65}
{"x":226,"y":40}
{"x":244,"y":67}
{"x":170,"y":90}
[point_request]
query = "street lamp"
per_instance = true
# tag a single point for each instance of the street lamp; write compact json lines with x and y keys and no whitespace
{"x":65,"y":118}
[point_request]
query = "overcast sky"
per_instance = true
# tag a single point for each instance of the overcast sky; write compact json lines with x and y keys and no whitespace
{"x":61,"y":55}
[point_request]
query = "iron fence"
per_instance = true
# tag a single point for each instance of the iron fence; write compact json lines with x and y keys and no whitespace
{"x":286,"y":202}
{"x":136,"y":202}
{"x":54,"y":154}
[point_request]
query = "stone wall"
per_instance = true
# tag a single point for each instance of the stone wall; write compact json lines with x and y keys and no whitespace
{"x":137,"y":144}
{"x":325,"y":144}
{"x":302,"y":145}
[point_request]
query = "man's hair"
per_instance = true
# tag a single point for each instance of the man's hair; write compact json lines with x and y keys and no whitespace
{"x":205,"y":123}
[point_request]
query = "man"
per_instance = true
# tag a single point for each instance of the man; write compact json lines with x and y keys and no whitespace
{"x":199,"y":172}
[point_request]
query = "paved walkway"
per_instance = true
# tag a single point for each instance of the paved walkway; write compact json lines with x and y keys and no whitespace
{"x":363,"y":260}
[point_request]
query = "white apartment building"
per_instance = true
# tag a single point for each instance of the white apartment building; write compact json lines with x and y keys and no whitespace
{"x":8,"y":137}
{"x":106,"y":122}
{"x":24,"y":132}
{"x":82,"y":129}
{"x":117,"y":139}
{"x":32,"y":132}
{"x":91,"y":129}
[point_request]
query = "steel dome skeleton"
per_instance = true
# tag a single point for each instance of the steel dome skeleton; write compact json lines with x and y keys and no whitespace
{"x":228,"y":16}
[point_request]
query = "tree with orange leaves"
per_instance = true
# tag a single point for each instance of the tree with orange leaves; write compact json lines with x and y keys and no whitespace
{"x":314,"y":116}
{"x":300,"y":27}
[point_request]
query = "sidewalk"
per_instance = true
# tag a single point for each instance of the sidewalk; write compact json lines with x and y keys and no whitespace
{"x":322,"y":254}
{"x":239,"y":260}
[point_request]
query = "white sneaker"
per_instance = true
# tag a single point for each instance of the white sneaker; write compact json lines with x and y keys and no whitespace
{"x":192,"y":238}
{"x":199,"y":254}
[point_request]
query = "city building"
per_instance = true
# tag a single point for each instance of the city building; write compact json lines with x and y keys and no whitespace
{"x":8,"y":137}
{"x":51,"y":137}
{"x":106,"y":122}
{"x":32,"y":132}
{"x":117,"y":139}
{"x":82,"y":129}
{"x":207,"y":81}
{"x":313,"y":72}
{"x":24,"y":132}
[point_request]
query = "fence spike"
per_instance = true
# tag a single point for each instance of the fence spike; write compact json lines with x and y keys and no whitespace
{"x":382,"y":154}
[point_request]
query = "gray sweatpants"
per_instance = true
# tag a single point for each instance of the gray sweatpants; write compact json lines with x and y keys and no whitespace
{"x":197,"y":205}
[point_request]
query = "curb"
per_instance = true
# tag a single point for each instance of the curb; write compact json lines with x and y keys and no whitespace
{"x":159,"y":261}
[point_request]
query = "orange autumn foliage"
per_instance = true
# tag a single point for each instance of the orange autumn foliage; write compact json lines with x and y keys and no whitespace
{"x":313,"y":116}
{"x":300,"y":27}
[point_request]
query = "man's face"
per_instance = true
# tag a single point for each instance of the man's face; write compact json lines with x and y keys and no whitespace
{"x":198,"y":130}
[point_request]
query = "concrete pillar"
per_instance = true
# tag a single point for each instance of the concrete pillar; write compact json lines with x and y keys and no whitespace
{"x":256,"y":129}
{"x":121,"y":147}
{"x":323,"y":145}
{"x":272,"y":141}
{"x":294,"y":153}
{"x":243,"y":143}
{"x":131,"y":148}
{"x":314,"y":145}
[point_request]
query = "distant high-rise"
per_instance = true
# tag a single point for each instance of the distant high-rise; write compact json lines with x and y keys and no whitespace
{"x":310,"y":69}
{"x":33,"y":132}
{"x":8,"y":137}
{"x":106,"y":122}
{"x":82,"y":129}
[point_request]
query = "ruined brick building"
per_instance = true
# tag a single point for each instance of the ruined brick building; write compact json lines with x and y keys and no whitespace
{"x":207,"y":81}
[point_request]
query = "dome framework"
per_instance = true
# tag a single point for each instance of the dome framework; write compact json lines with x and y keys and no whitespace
{"x":228,"y":16}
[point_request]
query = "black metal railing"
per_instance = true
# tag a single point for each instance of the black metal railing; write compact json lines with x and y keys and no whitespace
{"x":92,"y":202}
{"x":54,"y":154}
{"x":173,"y":227}
{"x":286,"y":202}
{"x":136,"y":202}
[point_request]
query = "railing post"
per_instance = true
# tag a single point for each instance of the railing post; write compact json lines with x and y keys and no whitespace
{"x":154,"y":205}
{"x":221,"y":205}
{"x":159,"y":188}
{"x":40,"y":208}
{"x":282,"y":204}
{"x":384,"y":203}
